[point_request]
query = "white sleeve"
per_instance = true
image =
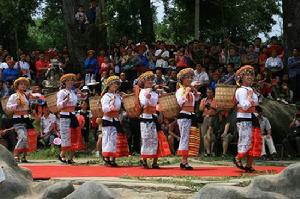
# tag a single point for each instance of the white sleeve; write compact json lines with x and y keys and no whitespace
{"x":179,"y":97}
{"x":12,"y":102}
{"x":166,"y":54}
{"x":268,"y":125}
{"x":157,"y":52}
{"x":142,"y":98}
{"x":241,"y":97}
{"x":105,"y":101}
{"x":60,"y":99}
{"x":16,"y":66}
{"x":255,"y":98}
{"x":267,"y":62}
{"x":53,"y":118}
{"x":205,"y":77}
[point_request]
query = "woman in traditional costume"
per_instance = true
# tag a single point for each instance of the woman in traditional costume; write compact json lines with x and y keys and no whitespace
{"x":250,"y":141}
{"x":148,"y":100}
{"x":70,"y":132}
{"x":18,"y":104}
{"x":186,"y":96}
{"x":111,"y":127}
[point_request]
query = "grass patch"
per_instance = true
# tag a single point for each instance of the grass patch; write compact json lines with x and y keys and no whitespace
{"x":134,"y":160}
{"x":45,"y":154}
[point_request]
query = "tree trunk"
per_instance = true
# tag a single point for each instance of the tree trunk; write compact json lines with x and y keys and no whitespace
{"x":94,"y":36}
{"x":146,"y":20}
{"x":197,"y":18}
{"x":291,"y":23}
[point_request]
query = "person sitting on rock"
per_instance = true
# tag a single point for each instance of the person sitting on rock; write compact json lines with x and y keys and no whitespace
{"x":292,"y":141}
{"x":266,"y":134}
{"x":223,"y":131}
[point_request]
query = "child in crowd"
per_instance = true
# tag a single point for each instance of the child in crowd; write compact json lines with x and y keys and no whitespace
{"x":48,"y":127}
{"x":86,"y":113}
{"x":81,"y":19}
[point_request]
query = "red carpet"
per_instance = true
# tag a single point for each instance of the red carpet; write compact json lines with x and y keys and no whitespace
{"x":50,"y":171}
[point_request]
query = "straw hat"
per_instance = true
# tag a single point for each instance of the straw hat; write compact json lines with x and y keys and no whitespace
{"x":184,"y":72}
{"x":146,"y":75}
{"x":90,"y":52}
{"x":111,"y":80}
{"x":93,"y":83}
{"x":21,"y":79}
{"x":244,"y":70}
{"x":69,"y":76}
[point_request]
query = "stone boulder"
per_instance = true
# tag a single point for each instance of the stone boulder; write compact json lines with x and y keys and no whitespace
{"x":280,"y":186}
{"x":280,"y":116}
{"x":58,"y":190}
{"x":17,"y":181}
{"x":91,"y":190}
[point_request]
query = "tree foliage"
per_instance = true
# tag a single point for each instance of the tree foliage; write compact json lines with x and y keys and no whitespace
{"x":218,"y":19}
{"x":15,"y":17}
{"x":48,"y":30}
{"x":124,"y":19}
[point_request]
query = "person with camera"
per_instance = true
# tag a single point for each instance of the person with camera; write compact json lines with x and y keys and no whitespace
{"x":53,"y":75}
{"x":208,"y":107}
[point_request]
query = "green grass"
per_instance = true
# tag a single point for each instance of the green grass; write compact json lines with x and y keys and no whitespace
{"x":45,"y":154}
{"x":134,"y":160}
{"x":52,"y":154}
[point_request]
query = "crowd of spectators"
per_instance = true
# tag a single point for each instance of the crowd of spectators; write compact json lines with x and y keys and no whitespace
{"x":213,"y":63}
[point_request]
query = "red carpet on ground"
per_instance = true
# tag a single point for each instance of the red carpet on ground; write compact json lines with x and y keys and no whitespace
{"x":54,"y":171}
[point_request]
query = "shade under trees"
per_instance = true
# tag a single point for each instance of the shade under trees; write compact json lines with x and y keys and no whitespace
{"x":135,"y":19}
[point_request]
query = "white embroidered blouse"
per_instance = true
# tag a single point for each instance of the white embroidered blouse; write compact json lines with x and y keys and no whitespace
{"x":147,"y":102}
{"x":181,"y":100}
{"x":110,"y":102}
{"x":241,"y":95}
{"x":12,"y":104}
{"x":63,"y":101}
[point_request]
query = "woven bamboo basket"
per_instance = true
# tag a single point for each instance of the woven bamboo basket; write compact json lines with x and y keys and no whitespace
{"x":51,"y":100}
{"x":3,"y":104}
{"x":224,"y":96}
{"x":194,"y":141}
{"x":95,"y":106}
{"x":129,"y":105}
{"x":168,"y":105}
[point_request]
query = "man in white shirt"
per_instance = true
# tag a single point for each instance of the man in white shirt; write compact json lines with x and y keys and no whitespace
{"x":200,"y":77}
{"x":23,"y":66}
{"x":266,"y":134}
{"x":162,"y":56}
{"x":274,"y":63}
{"x":4,"y":64}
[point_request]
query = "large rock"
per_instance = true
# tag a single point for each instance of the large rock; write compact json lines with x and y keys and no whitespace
{"x":17,"y":181}
{"x":283,"y":185}
{"x":280,"y":116}
{"x":58,"y":190}
{"x":91,"y":190}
